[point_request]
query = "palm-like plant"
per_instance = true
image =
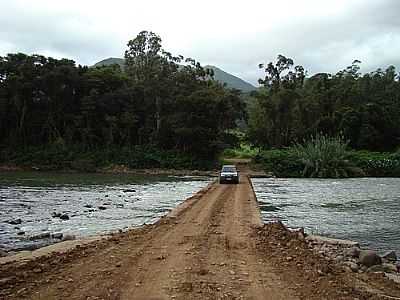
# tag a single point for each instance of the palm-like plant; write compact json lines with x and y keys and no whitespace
{"x":323,"y":156}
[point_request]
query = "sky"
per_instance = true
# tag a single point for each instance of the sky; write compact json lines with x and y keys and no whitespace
{"x":322,"y":36}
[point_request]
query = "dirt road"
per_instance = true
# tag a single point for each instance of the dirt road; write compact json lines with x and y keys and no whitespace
{"x":211,"y":247}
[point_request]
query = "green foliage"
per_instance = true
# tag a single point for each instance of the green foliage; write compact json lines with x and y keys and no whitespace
{"x":243,"y":151}
{"x":137,"y":157}
{"x":377,"y":164}
{"x":290,"y":162}
{"x":56,"y":113}
{"x":324,"y":157}
{"x":289,"y":108}
{"x":282,"y":163}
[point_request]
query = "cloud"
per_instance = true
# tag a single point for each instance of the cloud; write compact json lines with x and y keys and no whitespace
{"x":323,"y":36}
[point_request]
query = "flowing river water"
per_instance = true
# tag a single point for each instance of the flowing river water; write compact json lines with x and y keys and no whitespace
{"x":366,"y":210}
{"x":94,"y":203}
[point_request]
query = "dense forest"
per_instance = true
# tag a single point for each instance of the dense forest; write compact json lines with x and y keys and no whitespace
{"x":166,"y":111}
{"x":340,"y":125}
{"x":364,"y":109}
{"x":160,"y":109}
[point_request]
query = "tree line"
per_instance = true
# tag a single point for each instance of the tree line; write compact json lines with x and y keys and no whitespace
{"x":291,"y":107}
{"x":161,"y":103}
{"x":158,"y":99}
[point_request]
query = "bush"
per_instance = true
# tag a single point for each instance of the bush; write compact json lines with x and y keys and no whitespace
{"x":243,"y":151}
{"x":377,"y":164}
{"x":283,"y":163}
{"x":324,"y":157}
{"x":75,"y":158}
{"x":328,"y":158}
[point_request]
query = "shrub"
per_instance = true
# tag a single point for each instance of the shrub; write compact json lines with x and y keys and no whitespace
{"x":324,"y":157}
{"x":243,"y":151}
{"x":282,"y":163}
{"x":377,"y":164}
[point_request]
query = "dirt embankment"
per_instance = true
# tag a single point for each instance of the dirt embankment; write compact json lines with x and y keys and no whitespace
{"x":214,"y":246}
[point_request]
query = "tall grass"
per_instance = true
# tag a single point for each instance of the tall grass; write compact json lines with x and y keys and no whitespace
{"x":324,"y":157}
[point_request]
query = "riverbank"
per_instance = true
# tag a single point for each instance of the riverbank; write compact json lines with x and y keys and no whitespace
{"x":213,"y":246}
{"x":352,"y":164}
{"x":112,"y":169}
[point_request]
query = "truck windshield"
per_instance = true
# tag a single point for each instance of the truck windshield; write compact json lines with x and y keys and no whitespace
{"x":228,"y":169}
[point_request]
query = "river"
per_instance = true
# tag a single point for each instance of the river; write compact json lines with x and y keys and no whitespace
{"x":366,"y":210}
{"x":94,"y":203}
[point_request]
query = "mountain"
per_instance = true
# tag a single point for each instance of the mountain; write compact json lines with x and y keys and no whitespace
{"x":231,"y":80}
{"x":219,"y":75}
{"x":111,"y":61}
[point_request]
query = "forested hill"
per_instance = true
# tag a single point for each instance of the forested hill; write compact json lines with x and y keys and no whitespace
{"x":219,"y":75}
{"x":111,"y":61}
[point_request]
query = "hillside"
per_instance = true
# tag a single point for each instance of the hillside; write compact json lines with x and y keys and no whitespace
{"x":230,"y":80}
{"x":110,"y":61}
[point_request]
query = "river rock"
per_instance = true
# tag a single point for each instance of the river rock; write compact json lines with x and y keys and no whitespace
{"x":57,"y":235}
{"x":3,"y":253}
{"x":352,"y":252}
{"x":102,"y":207}
{"x":15,"y":222}
{"x":394,"y":277}
{"x":129,"y":191}
{"x":353,"y":266}
{"x":68,"y":237}
{"x":316,"y":239}
{"x":338,"y":259}
{"x":369,"y":258}
{"x":40,"y":236}
{"x":390,"y":255}
{"x":88,"y":206}
{"x":386,"y":268}
{"x":20,"y":232}
{"x":64,"y":217}
{"x":56,"y":214}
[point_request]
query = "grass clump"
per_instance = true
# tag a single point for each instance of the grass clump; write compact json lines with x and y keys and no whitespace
{"x":324,"y":157}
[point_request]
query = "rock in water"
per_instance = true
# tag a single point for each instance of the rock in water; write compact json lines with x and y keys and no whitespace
{"x":57,"y":235}
{"x":56,"y":214}
{"x":40,"y":236}
{"x":369,"y":258}
{"x":15,"y":222}
{"x":64,"y":217}
{"x":3,"y":253}
{"x":391,"y":256}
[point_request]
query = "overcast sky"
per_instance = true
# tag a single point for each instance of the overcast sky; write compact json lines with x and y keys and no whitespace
{"x":321,"y":35}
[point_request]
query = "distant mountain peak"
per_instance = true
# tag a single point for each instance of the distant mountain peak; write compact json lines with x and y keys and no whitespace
{"x":111,"y":61}
{"x":230,"y":80}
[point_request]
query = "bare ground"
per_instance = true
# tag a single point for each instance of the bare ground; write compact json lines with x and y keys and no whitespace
{"x":214,"y":246}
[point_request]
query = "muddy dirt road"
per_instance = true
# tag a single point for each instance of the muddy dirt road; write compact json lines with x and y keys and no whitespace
{"x":211,"y":247}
